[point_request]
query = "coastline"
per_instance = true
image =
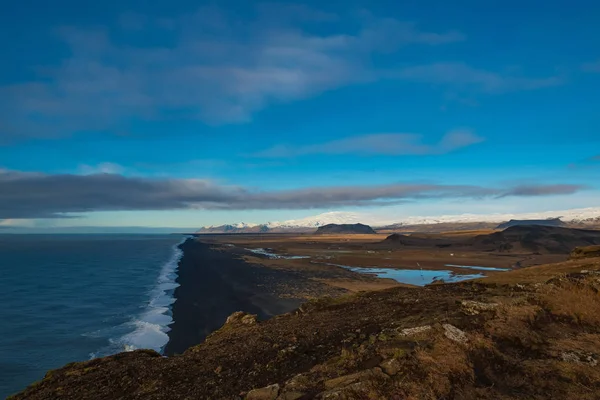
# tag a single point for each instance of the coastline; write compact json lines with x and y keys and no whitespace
{"x":213,"y":284}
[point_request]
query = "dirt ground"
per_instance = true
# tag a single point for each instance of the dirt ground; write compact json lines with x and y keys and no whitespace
{"x":365,"y":251}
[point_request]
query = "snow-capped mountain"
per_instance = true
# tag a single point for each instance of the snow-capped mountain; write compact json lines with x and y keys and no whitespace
{"x":579,"y":217}
{"x":334,"y":217}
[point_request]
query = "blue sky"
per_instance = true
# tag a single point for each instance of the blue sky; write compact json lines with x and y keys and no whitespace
{"x":198,"y":113}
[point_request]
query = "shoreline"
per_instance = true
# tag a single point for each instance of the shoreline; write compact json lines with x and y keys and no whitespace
{"x":213,"y":284}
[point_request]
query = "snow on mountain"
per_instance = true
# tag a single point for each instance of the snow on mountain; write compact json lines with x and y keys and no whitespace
{"x":574,"y":216}
{"x":579,"y":216}
{"x":334,"y":217}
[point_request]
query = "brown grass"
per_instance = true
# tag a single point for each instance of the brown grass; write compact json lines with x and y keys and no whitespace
{"x":574,"y":303}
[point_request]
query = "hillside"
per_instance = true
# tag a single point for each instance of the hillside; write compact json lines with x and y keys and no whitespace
{"x":536,"y":238}
{"x":531,"y":333}
{"x":400,"y":240}
{"x":521,"y":222}
{"x":344,"y":229}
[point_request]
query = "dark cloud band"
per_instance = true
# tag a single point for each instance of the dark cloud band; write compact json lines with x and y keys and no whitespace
{"x":36,"y":195}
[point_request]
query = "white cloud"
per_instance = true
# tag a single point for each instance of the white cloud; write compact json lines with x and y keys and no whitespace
{"x":380,"y":144}
{"x":220,"y":69}
{"x":221,"y":73}
{"x":462,"y":75}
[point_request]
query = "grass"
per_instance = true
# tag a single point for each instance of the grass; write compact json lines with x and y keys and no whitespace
{"x":575,"y":303}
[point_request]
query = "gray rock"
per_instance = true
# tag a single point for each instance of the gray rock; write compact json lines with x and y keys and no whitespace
{"x":579,"y":358}
{"x":391,"y":366}
{"x":471,"y":307}
{"x":414,"y":331}
{"x":267,"y":393}
{"x":455,"y":334}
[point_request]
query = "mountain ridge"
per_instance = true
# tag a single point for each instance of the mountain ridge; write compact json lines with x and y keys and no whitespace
{"x":580,"y":217}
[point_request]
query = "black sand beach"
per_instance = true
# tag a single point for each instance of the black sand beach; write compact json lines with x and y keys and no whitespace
{"x":213,"y":285}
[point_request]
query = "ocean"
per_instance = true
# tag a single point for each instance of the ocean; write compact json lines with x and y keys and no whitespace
{"x":74,"y":297}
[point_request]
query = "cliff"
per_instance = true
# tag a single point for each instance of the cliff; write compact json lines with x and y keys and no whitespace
{"x":528,"y":333}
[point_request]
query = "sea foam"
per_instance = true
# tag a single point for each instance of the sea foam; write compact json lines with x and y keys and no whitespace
{"x":149,"y":329}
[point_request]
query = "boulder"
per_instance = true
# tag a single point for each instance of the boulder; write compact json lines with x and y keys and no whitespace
{"x":267,"y":393}
{"x":471,"y":307}
{"x":455,"y":334}
{"x":346,"y":380}
{"x":241,"y":318}
{"x":391,"y":366}
{"x":414,"y":331}
{"x":579,"y":358}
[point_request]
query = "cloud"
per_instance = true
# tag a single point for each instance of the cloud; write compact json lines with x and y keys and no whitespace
{"x":591,"y":66}
{"x":541,"y":190}
{"x":590,"y":162}
{"x":381,"y":144}
{"x":213,"y":68}
{"x":102,"y":168}
{"x":37,"y":195}
{"x":464,"y":76}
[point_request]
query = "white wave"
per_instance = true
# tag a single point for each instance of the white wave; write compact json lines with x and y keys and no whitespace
{"x":149,"y":329}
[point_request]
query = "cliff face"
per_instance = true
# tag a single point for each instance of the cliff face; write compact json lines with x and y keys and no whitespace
{"x":529,"y":333}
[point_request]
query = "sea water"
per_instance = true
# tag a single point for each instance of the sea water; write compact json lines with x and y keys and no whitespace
{"x":70,"y":298}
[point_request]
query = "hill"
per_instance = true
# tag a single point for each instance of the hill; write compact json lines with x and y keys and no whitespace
{"x":520,"y":222}
{"x":344,"y":229}
{"x":531,"y":333}
{"x":400,"y":240}
{"x":536,"y":238}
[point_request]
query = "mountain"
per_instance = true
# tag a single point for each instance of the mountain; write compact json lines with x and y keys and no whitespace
{"x":344,"y":229}
{"x":575,"y":218}
{"x":536,"y":238}
{"x":237,"y":228}
{"x":399,"y":240}
{"x":520,"y":222}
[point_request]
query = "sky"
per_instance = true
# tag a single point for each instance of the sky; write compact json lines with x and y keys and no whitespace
{"x":190,"y":113}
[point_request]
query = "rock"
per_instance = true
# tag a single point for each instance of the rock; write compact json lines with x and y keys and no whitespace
{"x":347,"y":393}
{"x":391,"y":367}
{"x":346,"y":380}
{"x":291,"y":396}
{"x":455,"y":334}
{"x":414,"y":331}
{"x":579,"y":358}
{"x":470,"y":307}
{"x":240,"y":317}
{"x":298,"y":383}
{"x":267,"y":393}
